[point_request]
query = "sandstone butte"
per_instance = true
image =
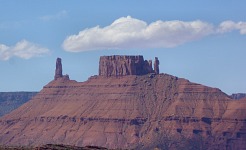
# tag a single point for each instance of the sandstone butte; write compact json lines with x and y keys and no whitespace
{"x":128,"y":105}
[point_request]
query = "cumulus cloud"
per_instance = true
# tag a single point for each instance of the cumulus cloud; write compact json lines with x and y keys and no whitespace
{"x":23,"y":49}
{"x":228,"y":26}
{"x":128,"y":32}
{"x":56,"y":16}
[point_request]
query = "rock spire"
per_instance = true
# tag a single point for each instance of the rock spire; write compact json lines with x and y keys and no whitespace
{"x":58,"y":72}
{"x":156,"y":65}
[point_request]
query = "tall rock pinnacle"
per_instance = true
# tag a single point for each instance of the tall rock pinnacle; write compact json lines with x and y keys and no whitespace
{"x":156,"y":65}
{"x":58,"y":72}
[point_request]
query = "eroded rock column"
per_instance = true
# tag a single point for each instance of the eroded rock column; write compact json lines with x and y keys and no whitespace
{"x":58,"y":72}
{"x":156,"y":65}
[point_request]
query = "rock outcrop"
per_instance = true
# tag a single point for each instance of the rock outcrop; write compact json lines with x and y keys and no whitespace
{"x":124,"y":65}
{"x":130,"y":112}
{"x":58,"y":71}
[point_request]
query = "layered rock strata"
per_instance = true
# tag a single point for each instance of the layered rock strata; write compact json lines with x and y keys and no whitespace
{"x":128,"y":112}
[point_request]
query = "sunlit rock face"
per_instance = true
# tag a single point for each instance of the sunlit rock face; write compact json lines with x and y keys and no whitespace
{"x":127,"y":107}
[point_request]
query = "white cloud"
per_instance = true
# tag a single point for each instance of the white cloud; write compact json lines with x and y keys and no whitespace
{"x":128,"y":32}
{"x":22,"y":49}
{"x":56,"y":16}
{"x":228,"y":26}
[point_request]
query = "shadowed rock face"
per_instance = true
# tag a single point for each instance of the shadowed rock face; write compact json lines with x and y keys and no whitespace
{"x":58,"y":71}
{"x":156,"y":66}
{"x":124,"y":65}
{"x":126,"y":112}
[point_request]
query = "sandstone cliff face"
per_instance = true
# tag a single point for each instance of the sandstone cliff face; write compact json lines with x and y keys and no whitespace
{"x":125,"y":65}
{"x":126,"y":112}
{"x":12,"y":100}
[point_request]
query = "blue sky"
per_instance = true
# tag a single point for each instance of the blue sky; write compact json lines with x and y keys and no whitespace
{"x":202,"y":41}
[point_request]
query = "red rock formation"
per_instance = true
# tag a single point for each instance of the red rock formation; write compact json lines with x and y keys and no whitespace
{"x":58,"y":71}
{"x":124,"y":65}
{"x":127,"y":112}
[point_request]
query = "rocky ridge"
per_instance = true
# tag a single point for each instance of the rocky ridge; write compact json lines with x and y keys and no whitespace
{"x":117,"y":110}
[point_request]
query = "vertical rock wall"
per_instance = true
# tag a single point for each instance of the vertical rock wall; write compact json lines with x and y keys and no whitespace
{"x":124,"y":65}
